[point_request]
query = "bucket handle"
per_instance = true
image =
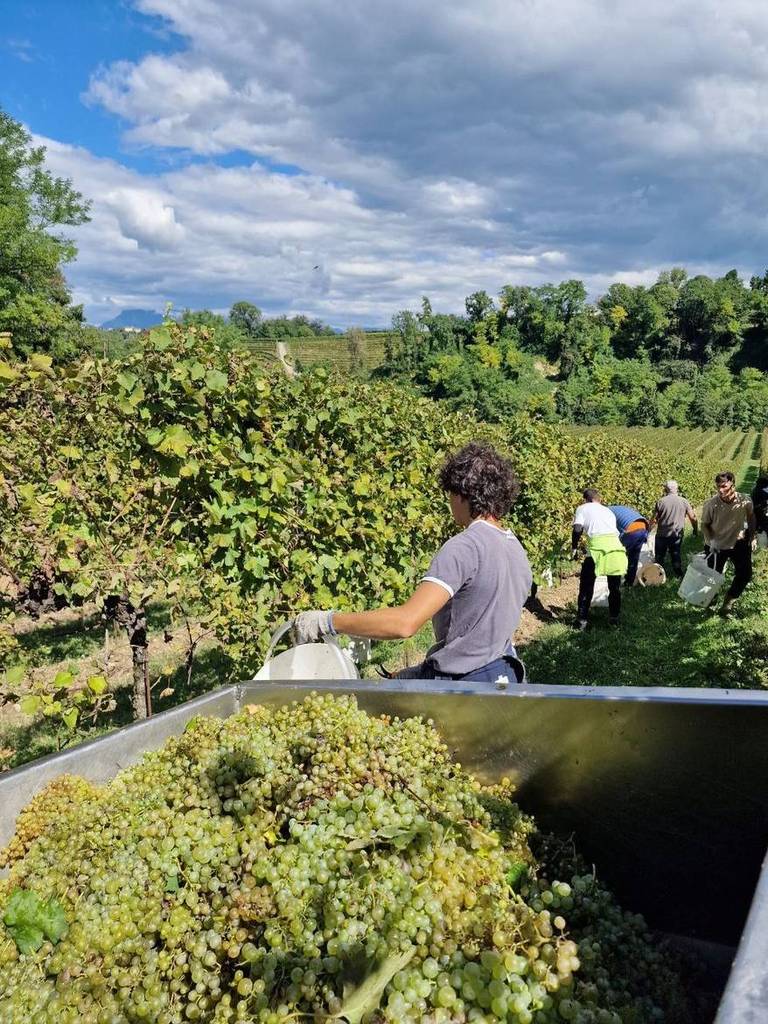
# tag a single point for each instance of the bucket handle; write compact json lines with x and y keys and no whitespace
{"x":280,"y":632}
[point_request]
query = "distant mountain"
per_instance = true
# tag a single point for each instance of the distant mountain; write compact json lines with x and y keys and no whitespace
{"x":134,"y":318}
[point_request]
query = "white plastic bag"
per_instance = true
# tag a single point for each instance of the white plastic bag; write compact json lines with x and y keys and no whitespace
{"x":600,"y":593}
{"x":762,"y":540}
{"x":647,"y":555}
{"x":701,"y":581}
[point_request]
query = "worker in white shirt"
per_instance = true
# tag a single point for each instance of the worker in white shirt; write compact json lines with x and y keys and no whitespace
{"x":606,"y":555}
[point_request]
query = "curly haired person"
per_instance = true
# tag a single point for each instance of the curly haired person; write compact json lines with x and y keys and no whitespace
{"x":473,"y":591}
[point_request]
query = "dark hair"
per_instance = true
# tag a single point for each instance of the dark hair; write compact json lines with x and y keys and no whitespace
{"x":727,"y":475}
{"x":590,"y":494}
{"x":478,"y":473}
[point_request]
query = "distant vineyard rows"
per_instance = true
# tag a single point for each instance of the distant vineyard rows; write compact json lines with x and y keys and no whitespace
{"x":331,"y":351}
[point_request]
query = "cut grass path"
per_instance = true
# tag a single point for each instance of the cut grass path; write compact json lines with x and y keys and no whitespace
{"x":662,"y":641}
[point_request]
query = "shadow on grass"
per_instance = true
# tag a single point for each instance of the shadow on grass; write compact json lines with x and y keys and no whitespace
{"x":52,"y":642}
{"x":213,"y":667}
{"x":662,"y":641}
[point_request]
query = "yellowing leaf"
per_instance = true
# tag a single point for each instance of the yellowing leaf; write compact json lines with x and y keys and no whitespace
{"x":30,"y":705}
{"x":70,"y":718}
{"x":15,"y":675}
{"x":41,"y":362}
{"x":177,"y":440}
{"x":97,"y":684}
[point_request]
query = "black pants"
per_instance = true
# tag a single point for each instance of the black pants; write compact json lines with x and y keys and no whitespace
{"x":587,"y":589}
{"x":633,"y":543}
{"x":672,"y":544}
{"x":741,"y":556}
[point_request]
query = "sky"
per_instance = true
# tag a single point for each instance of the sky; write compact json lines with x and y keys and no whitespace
{"x":344,"y":159}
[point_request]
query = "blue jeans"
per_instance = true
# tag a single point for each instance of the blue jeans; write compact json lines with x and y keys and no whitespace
{"x":509,"y":666}
{"x":633,"y":542}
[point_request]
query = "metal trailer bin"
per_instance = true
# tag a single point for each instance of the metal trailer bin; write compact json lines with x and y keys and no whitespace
{"x":665,"y":791}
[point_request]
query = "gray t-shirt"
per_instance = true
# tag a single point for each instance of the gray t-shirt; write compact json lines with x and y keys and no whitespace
{"x":670,"y":514}
{"x":486,"y":572}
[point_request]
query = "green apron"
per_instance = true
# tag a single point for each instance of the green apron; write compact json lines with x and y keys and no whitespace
{"x":608,"y":553}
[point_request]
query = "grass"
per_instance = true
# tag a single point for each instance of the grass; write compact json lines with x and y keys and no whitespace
{"x":397,"y":654}
{"x":52,"y":642}
{"x":662,"y":641}
{"x":749,"y":468}
{"x":36,"y":737}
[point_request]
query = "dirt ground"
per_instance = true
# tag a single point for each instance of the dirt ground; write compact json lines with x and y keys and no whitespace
{"x":109,"y":654}
{"x":552,"y":606}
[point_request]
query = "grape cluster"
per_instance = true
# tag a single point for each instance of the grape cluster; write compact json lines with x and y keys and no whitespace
{"x":50,"y":803}
{"x":308,"y":863}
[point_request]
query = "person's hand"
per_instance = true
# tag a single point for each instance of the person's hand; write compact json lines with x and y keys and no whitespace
{"x":574,"y":554}
{"x":753,"y":544}
{"x":311,"y":626}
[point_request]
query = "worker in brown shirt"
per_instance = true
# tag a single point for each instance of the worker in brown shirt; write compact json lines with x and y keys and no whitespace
{"x":728,"y":526}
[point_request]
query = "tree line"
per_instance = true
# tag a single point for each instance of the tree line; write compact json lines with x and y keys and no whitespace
{"x":685,"y":351}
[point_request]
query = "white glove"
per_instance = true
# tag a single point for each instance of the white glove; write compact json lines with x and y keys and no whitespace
{"x":311,"y":626}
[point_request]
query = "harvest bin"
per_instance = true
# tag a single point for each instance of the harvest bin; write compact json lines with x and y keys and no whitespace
{"x":665,"y":790}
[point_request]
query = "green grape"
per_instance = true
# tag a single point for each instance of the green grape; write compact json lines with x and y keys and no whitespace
{"x":249,"y":868}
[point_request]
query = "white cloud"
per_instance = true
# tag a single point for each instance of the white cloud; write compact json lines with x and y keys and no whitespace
{"x":144,"y":218}
{"x":441,"y":148}
{"x":247,"y":232}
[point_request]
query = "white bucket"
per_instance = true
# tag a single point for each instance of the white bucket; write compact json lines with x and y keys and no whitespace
{"x":307,"y":661}
{"x":701,"y":581}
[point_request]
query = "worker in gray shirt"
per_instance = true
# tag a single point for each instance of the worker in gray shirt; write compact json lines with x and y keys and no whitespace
{"x":473,"y":591}
{"x":669,"y":517}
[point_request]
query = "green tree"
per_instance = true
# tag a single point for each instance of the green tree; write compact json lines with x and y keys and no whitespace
{"x":228,"y":334}
{"x":246,"y":317}
{"x":540,"y":316}
{"x":640,"y":321}
{"x":754,"y":350}
{"x":713,"y":315}
{"x":478,"y":305}
{"x":34,"y":300}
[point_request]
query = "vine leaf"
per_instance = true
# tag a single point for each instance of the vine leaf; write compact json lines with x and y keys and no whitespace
{"x":364,"y":998}
{"x":29,"y":920}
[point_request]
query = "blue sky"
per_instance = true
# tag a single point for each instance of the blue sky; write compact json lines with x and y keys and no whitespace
{"x":231,"y":147}
{"x":51,"y":49}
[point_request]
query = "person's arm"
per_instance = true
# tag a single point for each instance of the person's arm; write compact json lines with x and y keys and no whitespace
{"x":751,"y":521}
{"x":396,"y":623}
{"x":706,"y":525}
{"x":691,"y":516}
{"x":576,"y":534}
